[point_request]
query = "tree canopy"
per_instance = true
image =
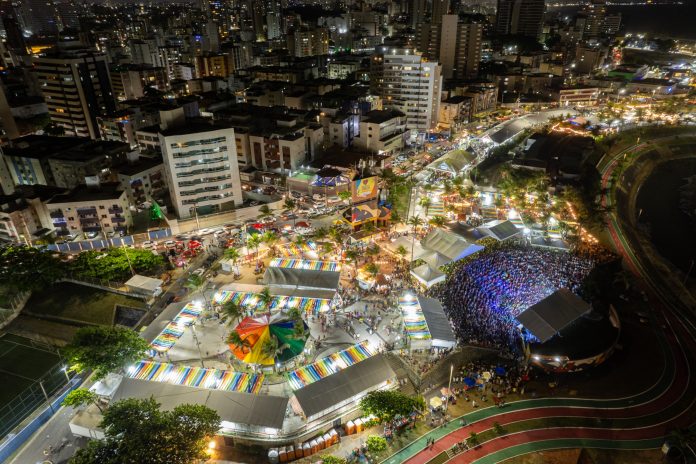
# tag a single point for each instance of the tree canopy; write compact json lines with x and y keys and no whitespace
{"x":387,"y":404}
{"x":28,"y":268}
{"x":137,"y":431}
{"x":115,"y":263}
{"x":104,"y":349}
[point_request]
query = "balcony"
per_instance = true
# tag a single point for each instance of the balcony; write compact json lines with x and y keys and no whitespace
{"x":117,"y":220}
{"x":116,"y":210}
{"x":89,"y":221}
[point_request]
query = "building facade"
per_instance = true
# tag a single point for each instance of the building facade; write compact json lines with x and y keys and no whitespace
{"x":200,"y":161}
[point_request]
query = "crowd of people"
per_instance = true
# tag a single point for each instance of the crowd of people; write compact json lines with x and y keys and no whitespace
{"x":483,"y":296}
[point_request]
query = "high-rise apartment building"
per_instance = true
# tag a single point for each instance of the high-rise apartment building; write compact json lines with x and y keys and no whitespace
{"x":440,"y":8}
{"x":523,"y":17}
{"x":417,"y":10}
{"x":309,"y":42}
{"x":200,"y":161}
{"x":75,"y":83}
{"x":593,"y":14}
{"x":455,"y":44}
{"x":408,"y":82}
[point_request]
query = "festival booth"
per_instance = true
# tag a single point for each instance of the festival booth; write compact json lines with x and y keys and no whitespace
{"x":335,"y":393}
{"x":260,"y":415}
{"x":425,"y":323}
{"x":500,"y":230}
{"x":305,"y":282}
{"x":427,"y":276}
{"x":330,"y":365}
{"x":284,"y":299}
{"x":566,"y":335}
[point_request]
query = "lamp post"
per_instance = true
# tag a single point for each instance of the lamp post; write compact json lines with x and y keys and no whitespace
{"x":449,"y":386}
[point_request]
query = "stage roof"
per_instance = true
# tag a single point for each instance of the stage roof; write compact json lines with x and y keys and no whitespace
{"x":449,"y":244}
{"x":302,"y":278}
{"x":549,"y":316}
{"x":500,"y":230}
{"x":344,"y":385}
{"x":406,"y":242}
{"x":240,"y":408}
{"x":438,"y":324}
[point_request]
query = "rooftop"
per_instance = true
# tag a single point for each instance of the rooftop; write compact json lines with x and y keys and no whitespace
{"x":142,"y":165}
{"x":83,"y":193}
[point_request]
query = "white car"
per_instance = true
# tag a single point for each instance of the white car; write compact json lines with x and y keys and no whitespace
{"x":149,"y":244}
{"x":170,"y":243}
{"x":205,"y":231}
{"x":199,"y":272}
{"x":304,"y":230}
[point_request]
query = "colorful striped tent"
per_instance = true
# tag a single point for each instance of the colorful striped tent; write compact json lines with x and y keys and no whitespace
{"x":175,"y":329}
{"x":293,"y":249}
{"x":256,"y":331}
{"x":290,"y":263}
{"x":213,"y":379}
{"x":414,"y":320}
{"x":329,"y":365}
{"x":250,"y":300}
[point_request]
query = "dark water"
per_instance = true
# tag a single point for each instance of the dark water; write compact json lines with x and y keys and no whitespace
{"x":676,"y":21}
{"x":672,"y":230}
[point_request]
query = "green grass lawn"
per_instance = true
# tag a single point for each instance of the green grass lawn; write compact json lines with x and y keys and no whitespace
{"x":78,"y":303}
{"x":21,"y":364}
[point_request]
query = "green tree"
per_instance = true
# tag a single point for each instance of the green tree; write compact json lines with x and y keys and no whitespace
{"x":265,"y":211}
{"x":425,"y":203}
{"x":115,"y":264}
{"x":236,"y":340}
{"x":499,"y":430}
{"x":81,"y":397}
{"x":344,"y":195}
{"x":352,"y":257}
{"x":385,"y":404}
{"x":473,"y":439}
{"x":137,"y":431}
{"x":254,"y":241}
{"x":331,"y":459}
{"x":402,"y":251}
{"x":372,"y":269}
{"x":291,"y":205}
{"x":27,"y":268}
{"x":437,"y":221}
{"x":233,"y":255}
{"x":104,"y":349}
{"x":232,"y":312}
{"x":376,"y":444}
{"x":271,"y":239}
{"x":265,"y":299}
{"x":272,"y":348}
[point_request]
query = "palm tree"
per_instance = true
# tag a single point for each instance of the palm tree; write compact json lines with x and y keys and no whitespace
{"x":372,"y":269}
{"x":425,"y":203}
{"x":265,"y":211}
{"x":233,"y":338}
{"x":270,"y":238}
{"x":298,"y":330}
{"x":291,"y":205}
{"x":231,"y":311}
{"x":352,"y":257}
{"x":195,"y":283}
{"x":320,"y":233}
{"x":415,"y":221}
{"x":345,"y":195}
{"x":254,"y":241}
{"x":265,"y":299}
{"x":457,"y":181}
{"x":327,"y":248}
{"x":233,"y":255}
{"x":437,"y":221}
{"x":271,"y":348}
{"x":402,"y":251}
{"x":336,"y":233}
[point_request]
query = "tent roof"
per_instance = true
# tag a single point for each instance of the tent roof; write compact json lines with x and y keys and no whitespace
{"x":449,"y":244}
{"x":240,"y":408}
{"x":558,"y":310}
{"x":303,"y":278}
{"x":343,"y":385}
{"x":454,"y":161}
{"x":428,"y":275}
{"x":435,"y":259}
{"x":144,"y":283}
{"x":407,"y":242}
{"x":500,"y":230}
{"x":438,"y":324}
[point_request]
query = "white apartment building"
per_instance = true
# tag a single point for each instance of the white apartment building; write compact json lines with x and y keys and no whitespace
{"x":409,"y":83}
{"x":382,"y":132}
{"x":200,"y":161}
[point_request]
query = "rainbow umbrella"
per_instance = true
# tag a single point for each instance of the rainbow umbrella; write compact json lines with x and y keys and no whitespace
{"x":256,"y":331}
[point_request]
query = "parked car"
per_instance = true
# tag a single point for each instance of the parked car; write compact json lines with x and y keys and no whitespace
{"x":149,"y":244}
{"x":199,"y":272}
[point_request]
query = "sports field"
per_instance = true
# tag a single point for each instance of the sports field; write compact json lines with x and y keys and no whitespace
{"x":21,"y":364}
